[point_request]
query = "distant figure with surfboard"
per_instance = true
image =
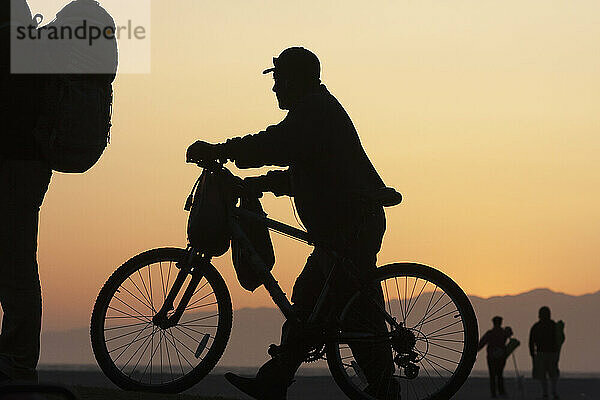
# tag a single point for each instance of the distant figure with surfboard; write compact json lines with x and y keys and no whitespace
{"x":495,"y":340}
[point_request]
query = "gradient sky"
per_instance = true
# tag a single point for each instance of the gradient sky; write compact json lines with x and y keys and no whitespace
{"x":483,"y":114}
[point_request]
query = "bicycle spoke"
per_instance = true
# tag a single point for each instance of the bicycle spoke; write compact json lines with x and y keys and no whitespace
{"x":198,"y":300}
{"x":127,"y":305}
{"x":198,"y":332}
{"x":178,"y":352}
{"x":162,"y":282}
{"x":441,"y":366}
{"x":146,"y":289}
{"x":153,"y":352}
{"x":138,"y":349}
{"x":445,"y":327}
{"x":181,"y":343}
{"x":201,"y":319}
{"x":446,"y":347}
{"x":124,"y":326}
{"x":168,"y":354}
{"x":138,"y":289}
{"x":143,"y":351}
{"x":445,"y":340}
{"x":203,"y":305}
{"x":411,"y":298}
{"x":439,"y":317}
{"x":169,"y":275}
{"x":137,"y":298}
{"x":443,"y":358}
{"x":388,"y":297}
{"x":131,"y":316}
{"x":418,"y":296}
{"x":405,"y":298}
{"x":150,"y":283}
{"x":444,"y":334}
{"x":128,"y":317}
{"x":429,"y":309}
{"x":200,"y":288}
{"x":400,"y":301}
{"x":126,"y":346}
{"x":199,"y":325}
{"x":120,"y":336}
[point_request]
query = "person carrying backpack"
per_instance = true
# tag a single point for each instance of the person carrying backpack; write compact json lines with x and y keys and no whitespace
{"x":38,"y":128}
{"x":327,"y":170}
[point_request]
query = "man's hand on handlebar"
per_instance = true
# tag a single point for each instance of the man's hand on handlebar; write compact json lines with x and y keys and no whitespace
{"x":204,"y":151}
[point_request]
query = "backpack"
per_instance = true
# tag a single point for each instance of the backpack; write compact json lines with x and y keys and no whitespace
{"x":259,"y":237}
{"x":208,"y":224}
{"x":74,"y":122}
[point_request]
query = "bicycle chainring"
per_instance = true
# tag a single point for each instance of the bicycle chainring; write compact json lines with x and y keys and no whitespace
{"x":315,"y":353}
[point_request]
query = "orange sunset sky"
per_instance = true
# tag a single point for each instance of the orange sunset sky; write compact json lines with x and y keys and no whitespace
{"x":484,"y":114}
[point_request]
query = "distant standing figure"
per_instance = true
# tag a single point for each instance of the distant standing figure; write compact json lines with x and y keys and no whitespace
{"x":495,"y":339}
{"x":544,"y":346}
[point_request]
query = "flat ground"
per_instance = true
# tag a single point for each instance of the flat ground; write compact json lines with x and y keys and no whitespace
{"x":92,"y":385}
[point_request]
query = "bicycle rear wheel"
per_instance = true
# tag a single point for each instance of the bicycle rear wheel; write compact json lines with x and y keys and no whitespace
{"x":430,"y":352}
{"x":136,"y":354}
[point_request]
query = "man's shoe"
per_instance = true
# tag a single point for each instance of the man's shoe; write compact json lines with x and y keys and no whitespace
{"x":258,"y":388}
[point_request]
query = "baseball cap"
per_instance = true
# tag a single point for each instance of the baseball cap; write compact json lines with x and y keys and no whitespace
{"x":296,"y":62}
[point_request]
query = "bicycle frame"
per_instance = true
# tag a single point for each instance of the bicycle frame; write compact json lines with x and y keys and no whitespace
{"x":194,"y":262}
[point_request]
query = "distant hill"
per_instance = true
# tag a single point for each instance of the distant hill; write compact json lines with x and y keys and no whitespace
{"x":255,"y":329}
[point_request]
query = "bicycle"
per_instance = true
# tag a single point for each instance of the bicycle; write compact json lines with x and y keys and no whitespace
{"x":150,"y":334}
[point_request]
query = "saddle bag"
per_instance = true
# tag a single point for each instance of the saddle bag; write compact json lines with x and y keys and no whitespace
{"x":208,"y":224}
{"x":260,"y":239}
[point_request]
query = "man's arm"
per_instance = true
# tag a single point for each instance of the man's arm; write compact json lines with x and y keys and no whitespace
{"x":281,"y":144}
{"x":278,"y":182}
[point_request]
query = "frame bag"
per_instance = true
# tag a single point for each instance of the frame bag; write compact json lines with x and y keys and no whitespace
{"x":260,"y":239}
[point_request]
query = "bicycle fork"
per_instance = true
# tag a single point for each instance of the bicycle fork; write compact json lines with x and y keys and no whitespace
{"x":186,"y":267}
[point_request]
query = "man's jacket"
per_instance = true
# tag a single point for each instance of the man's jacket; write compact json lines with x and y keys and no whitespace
{"x":328,"y":167}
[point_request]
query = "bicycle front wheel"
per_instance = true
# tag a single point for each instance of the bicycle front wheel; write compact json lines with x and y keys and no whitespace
{"x":135,"y":353}
{"x":425,"y":353}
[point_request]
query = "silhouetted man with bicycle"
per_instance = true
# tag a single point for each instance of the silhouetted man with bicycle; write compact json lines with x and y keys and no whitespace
{"x":328,"y":174}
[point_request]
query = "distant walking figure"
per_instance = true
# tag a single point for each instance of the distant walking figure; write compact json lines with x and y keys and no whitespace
{"x":545,"y":339}
{"x":328,"y":170}
{"x":495,"y":340}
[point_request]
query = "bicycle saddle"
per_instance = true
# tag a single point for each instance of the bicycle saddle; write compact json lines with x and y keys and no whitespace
{"x":385,"y":196}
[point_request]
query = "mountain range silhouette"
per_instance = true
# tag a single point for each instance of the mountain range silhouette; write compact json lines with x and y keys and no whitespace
{"x":255,"y":328}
